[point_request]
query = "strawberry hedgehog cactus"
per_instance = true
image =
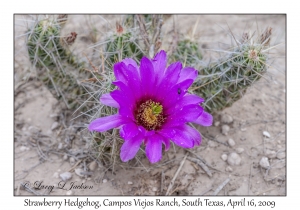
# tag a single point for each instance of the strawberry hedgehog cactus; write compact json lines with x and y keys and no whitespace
{"x":154,"y":107}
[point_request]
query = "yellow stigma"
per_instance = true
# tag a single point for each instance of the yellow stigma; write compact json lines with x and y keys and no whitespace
{"x":150,"y":115}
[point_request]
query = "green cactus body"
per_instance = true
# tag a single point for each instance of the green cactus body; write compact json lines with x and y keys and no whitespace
{"x":43,"y":44}
{"x":187,"y":52}
{"x":122,"y":46}
{"x":56,"y":66}
{"x":224,"y":82}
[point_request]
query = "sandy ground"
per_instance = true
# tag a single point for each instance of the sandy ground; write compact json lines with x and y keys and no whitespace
{"x":39,"y":122}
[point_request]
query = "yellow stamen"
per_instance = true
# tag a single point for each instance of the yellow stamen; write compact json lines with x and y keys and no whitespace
{"x":150,"y":115}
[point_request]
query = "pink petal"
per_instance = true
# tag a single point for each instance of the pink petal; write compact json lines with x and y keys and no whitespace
{"x":145,"y":132}
{"x":179,"y":136}
{"x":120,"y":71}
{"x":107,"y":100}
{"x":153,"y":148}
{"x":106,"y":123}
{"x":147,"y":77}
{"x":159,"y":64}
{"x":170,"y":79}
{"x":129,"y":61}
{"x":188,"y":73}
{"x":166,"y":142}
{"x":129,"y":130}
{"x":205,"y":119}
{"x":126,"y":106}
{"x":127,"y":72}
{"x":175,"y":93}
{"x":134,"y":81}
{"x":131,"y":147}
{"x":184,"y":101}
{"x":126,"y":91}
{"x":186,"y":114}
{"x":193,"y":133}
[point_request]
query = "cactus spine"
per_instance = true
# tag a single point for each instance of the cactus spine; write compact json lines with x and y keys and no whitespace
{"x":56,"y":65}
{"x":223,"y":82}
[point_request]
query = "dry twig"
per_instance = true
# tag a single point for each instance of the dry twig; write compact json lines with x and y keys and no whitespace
{"x":176,"y":174}
{"x":162,"y":181}
{"x":221,"y":186}
{"x":202,"y":165}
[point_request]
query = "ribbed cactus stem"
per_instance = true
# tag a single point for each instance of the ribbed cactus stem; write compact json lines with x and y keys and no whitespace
{"x":122,"y":45}
{"x":57,"y":67}
{"x":223,"y":82}
{"x":187,"y":52}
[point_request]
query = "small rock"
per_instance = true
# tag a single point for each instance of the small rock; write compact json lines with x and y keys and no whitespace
{"x":266,"y":134}
{"x":54,"y":125}
{"x":264,"y":163}
{"x":79,"y":171}
{"x":70,"y":192}
{"x":225,"y":129}
{"x":54,"y":116}
{"x":65,"y":157}
{"x":279,"y":146}
{"x":226,"y":118}
{"x":224,"y":157}
{"x":217,"y":123}
{"x":49,"y":132}
{"x":239,"y":150}
{"x":93,"y":165}
{"x":104,"y":180}
{"x":243,"y":138}
{"x":32,"y":129}
{"x":154,"y":189}
{"x":56,"y":175}
{"x":65,"y":176}
{"x":27,"y":133}
{"x":60,"y":146}
{"x":23,"y":148}
{"x":280,"y":155}
{"x":129,"y":182}
{"x":243,"y":129}
{"x":212,"y":144}
{"x":72,"y":161}
{"x":270,"y":153}
{"x":229,"y":169}
{"x":234,"y":159}
{"x":231,"y":142}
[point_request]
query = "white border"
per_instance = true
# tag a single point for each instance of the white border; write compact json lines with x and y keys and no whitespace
{"x":155,"y":6}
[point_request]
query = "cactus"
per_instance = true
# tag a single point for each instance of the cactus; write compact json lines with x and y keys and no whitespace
{"x":57,"y":67}
{"x":220,"y":83}
{"x":126,"y":42}
{"x":188,"y":52}
{"x":122,"y":45}
{"x":223,"y":82}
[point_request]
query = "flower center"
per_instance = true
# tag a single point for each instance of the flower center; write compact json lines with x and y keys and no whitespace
{"x":150,"y":115}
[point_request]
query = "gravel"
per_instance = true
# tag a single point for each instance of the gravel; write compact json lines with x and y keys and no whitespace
{"x":264,"y":163}
{"x":66,"y":176}
{"x":226,"y":118}
{"x":225,"y":129}
{"x":231,"y":142}
{"x":234,"y":159}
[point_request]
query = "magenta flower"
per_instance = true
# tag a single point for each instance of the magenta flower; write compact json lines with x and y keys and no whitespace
{"x":154,"y":107}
